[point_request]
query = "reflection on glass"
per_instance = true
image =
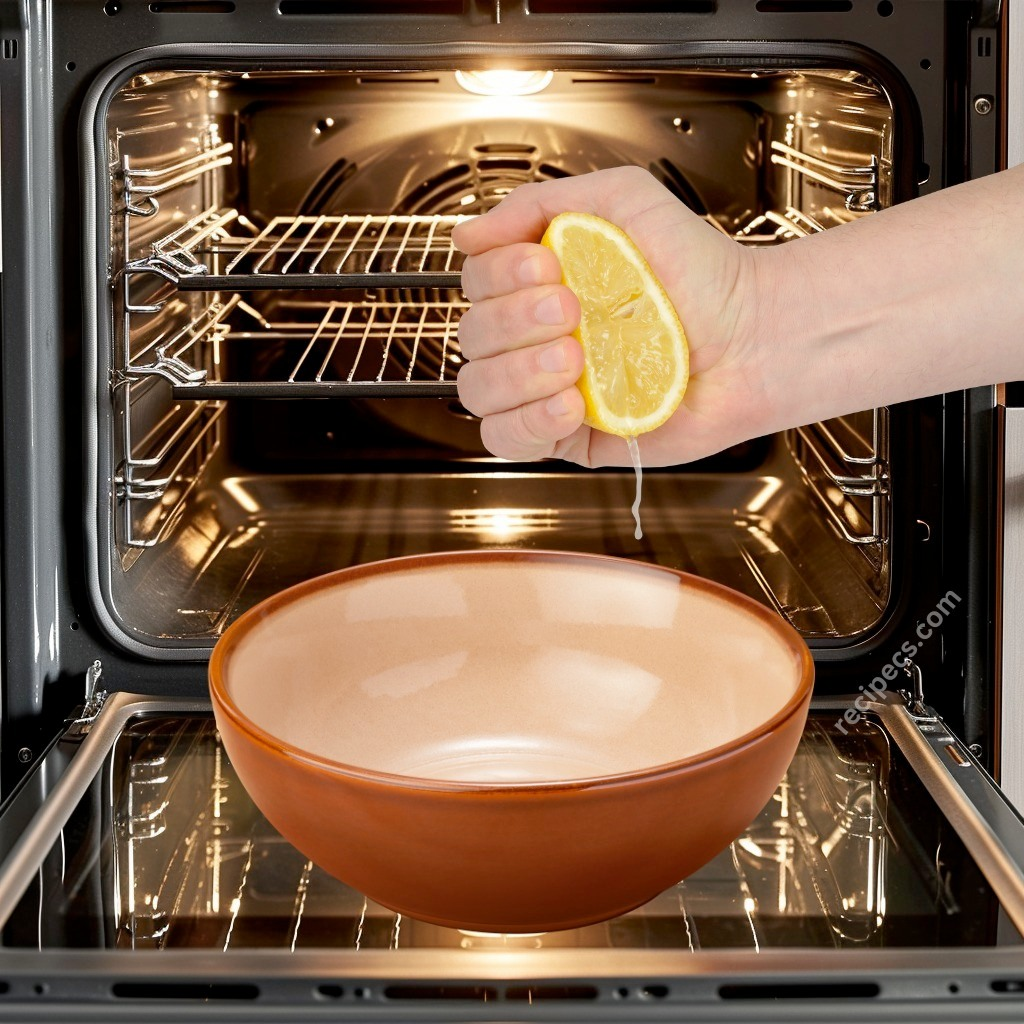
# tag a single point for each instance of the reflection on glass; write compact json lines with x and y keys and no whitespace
{"x":167,"y":851}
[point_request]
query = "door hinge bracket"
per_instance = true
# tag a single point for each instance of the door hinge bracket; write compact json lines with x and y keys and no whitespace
{"x":914,"y":697}
{"x":95,"y":695}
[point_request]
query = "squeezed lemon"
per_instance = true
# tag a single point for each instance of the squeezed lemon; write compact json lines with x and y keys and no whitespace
{"x":635,"y":356}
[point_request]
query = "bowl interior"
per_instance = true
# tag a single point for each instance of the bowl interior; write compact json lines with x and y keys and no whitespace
{"x":503,"y":668}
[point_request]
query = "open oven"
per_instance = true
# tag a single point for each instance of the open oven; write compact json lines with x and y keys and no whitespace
{"x":230,"y":305}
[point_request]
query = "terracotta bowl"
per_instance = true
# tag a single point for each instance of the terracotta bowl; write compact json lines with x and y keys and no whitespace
{"x":510,"y":741}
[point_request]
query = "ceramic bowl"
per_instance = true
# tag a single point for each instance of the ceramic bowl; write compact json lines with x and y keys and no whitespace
{"x":510,"y":741}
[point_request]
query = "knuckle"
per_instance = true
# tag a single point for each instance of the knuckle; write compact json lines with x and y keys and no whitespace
{"x":468,"y":333}
{"x":632,"y":174}
{"x":523,"y":428}
{"x":495,"y":440}
{"x":468,"y":390}
{"x":469,"y":277}
{"x":513,"y":436}
{"x":516,"y":373}
{"x":509,"y":321}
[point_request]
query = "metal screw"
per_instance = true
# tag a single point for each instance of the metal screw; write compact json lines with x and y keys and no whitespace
{"x":983,"y":105}
{"x":975,"y":749}
{"x":24,"y":755}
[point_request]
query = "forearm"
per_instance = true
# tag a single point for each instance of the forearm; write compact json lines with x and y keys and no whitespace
{"x":916,"y":300}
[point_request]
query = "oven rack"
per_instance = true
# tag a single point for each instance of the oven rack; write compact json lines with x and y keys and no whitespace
{"x":163,"y":466}
{"x":858,"y":184}
{"x":379,"y":348}
{"x":843,"y":463}
{"x":385,"y":346}
{"x":206,"y":253}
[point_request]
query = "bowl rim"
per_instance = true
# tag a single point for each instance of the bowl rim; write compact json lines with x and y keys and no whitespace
{"x":251,"y":618}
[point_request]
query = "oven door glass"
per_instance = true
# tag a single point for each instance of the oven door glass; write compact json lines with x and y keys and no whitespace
{"x":165,"y":850}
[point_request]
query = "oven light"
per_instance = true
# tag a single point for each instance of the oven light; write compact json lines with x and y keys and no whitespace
{"x":504,"y":82}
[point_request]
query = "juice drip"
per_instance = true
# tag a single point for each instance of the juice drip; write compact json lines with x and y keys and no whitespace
{"x":634,"y":455}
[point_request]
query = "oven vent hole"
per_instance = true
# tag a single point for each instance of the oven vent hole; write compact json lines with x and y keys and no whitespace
{"x":329,"y":183}
{"x":505,"y":147}
{"x":1008,"y":986}
{"x":490,"y":164}
{"x":804,"y":6}
{"x":538,"y":993}
{"x":183,"y":990}
{"x":984,"y":46}
{"x":622,"y":6}
{"x":305,"y":8}
{"x":477,"y":993}
{"x":839,"y":990}
{"x":193,"y":7}
{"x":330,"y":991}
{"x":10,"y":49}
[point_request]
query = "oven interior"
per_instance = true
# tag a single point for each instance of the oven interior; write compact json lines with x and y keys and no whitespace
{"x":279,"y":332}
{"x":272,"y":383}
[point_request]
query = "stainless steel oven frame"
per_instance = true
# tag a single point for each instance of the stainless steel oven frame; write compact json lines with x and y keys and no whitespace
{"x":51,"y":634}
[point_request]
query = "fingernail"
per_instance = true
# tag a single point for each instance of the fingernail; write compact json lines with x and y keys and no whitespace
{"x":530,"y":270}
{"x":556,"y":406}
{"x":549,"y":310}
{"x":552,"y":359}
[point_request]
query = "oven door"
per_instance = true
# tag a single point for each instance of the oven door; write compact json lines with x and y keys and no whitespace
{"x":884,"y":877}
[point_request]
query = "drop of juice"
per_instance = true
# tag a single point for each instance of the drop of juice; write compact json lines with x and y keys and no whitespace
{"x":634,"y":455}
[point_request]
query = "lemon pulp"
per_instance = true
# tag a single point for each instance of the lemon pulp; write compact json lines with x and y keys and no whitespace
{"x":635,"y":359}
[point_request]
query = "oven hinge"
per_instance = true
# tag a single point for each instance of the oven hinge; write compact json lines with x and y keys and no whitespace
{"x":919,"y":711}
{"x":95,"y":696}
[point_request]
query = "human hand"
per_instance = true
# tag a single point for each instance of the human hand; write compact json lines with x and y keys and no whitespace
{"x":523,"y":362}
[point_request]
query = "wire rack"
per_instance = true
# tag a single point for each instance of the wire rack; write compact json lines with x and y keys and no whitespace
{"x":391,"y":341}
{"x":843,"y":463}
{"x":162,"y":467}
{"x":858,"y":184}
{"x":337,"y":251}
{"x":349,"y":251}
{"x":382,"y":348}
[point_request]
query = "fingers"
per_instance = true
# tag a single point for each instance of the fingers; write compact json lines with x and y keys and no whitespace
{"x":531,"y":431}
{"x":508,"y":268}
{"x":516,"y":321}
{"x":495,"y":385}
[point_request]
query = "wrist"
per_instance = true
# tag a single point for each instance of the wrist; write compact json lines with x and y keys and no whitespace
{"x":780,"y":338}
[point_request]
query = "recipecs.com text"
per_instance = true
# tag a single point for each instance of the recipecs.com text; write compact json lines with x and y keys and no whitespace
{"x":924,"y":630}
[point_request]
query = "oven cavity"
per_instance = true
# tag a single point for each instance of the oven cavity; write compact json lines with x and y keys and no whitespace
{"x":279,"y":333}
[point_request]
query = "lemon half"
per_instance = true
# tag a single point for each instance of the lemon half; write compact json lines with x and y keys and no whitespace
{"x":636,"y":363}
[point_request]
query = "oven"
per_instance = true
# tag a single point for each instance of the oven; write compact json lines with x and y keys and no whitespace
{"x":230,"y":307}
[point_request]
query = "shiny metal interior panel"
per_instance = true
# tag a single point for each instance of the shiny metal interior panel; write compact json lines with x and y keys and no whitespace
{"x":243,"y":538}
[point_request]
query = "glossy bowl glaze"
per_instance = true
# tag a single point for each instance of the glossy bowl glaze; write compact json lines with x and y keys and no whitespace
{"x":510,"y":741}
